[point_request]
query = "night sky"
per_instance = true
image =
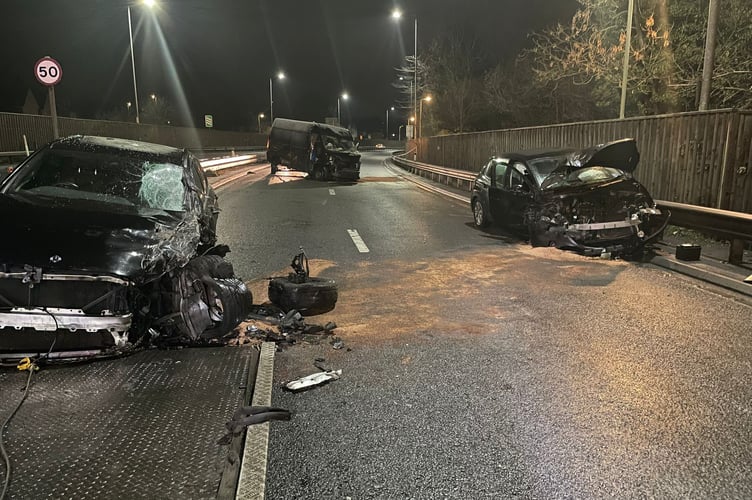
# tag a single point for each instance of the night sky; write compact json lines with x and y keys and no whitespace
{"x":216,"y":56}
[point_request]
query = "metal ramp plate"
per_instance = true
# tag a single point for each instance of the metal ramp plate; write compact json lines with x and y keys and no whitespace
{"x":144,"y":426}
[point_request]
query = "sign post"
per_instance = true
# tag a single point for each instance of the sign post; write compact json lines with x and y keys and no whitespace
{"x":48,"y":73}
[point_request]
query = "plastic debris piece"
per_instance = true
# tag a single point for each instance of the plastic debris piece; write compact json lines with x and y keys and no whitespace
{"x":337,"y":343}
{"x":313,"y":379}
{"x":748,"y":279}
{"x":250,"y":415}
{"x":330,"y":326}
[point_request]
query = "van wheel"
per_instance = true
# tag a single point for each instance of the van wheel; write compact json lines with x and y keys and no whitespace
{"x":274,"y":168}
{"x":319,"y":173}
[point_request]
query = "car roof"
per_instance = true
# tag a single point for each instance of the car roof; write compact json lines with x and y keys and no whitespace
{"x":530,"y":154}
{"x":118,"y":147}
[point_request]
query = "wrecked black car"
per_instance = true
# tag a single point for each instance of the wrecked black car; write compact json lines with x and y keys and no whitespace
{"x":323,"y":151}
{"x":108,"y":243}
{"x":586,"y":201}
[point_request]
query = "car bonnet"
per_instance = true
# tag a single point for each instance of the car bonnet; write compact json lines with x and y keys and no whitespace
{"x":621,"y":154}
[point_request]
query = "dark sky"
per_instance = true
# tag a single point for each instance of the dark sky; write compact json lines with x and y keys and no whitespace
{"x":216,"y":56}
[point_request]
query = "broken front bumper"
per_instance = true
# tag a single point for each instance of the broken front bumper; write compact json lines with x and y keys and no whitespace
{"x":52,"y":319}
{"x":616,"y":237}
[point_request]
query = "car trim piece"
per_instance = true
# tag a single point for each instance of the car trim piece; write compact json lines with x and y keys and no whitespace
{"x":598,"y":226}
{"x":70,"y":277}
{"x":51,"y":319}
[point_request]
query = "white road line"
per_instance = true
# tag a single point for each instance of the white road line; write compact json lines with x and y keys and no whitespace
{"x":331,"y":192}
{"x":359,"y":243}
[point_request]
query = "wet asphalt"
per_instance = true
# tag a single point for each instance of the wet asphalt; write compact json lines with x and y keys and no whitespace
{"x":505,"y":372}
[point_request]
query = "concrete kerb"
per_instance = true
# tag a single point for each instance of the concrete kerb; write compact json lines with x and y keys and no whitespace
{"x":730,"y":278}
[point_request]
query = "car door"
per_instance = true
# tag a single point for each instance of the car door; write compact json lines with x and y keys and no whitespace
{"x":496,"y":194}
{"x":482,"y":184}
{"x":517,"y":195}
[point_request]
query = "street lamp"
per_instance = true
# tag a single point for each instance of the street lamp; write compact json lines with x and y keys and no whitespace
{"x":387,"y":121}
{"x":150,"y":4}
{"x":280,"y":76}
{"x":260,"y":116}
{"x":397,"y":15}
{"x":399,"y":132}
{"x":153,"y":97}
{"x":344,"y":97}
{"x":420,"y":117}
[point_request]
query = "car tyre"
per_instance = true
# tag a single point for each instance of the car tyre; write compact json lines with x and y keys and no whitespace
{"x":229,"y":302}
{"x":480,"y":217}
{"x":314,"y":296}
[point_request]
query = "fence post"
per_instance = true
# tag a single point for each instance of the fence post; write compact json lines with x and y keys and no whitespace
{"x":728,"y":164}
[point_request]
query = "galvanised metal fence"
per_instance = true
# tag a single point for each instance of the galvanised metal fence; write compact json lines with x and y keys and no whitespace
{"x":701,"y":158}
{"x":38,"y":131}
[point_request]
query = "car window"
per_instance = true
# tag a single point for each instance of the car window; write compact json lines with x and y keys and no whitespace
{"x":500,"y":172}
{"x":517,"y":178}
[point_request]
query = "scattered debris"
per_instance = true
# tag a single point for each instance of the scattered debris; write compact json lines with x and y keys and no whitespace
{"x":302,"y":292}
{"x":269,"y":323}
{"x":312,"y":380}
{"x":250,"y":415}
{"x":337,"y":343}
{"x":748,"y":279}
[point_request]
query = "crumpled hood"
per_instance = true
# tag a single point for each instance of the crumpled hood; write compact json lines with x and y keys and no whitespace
{"x":621,"y":154}
{"x":60,"y":235}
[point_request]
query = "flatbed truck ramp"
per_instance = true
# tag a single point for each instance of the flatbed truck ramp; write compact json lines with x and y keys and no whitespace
{"x":142,"y":426}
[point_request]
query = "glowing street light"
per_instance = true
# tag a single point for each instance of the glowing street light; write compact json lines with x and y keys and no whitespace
{"x":344,"y":97}
{"x":260,"y":116}
{"x":397,"y":16}
{"x":280,"y":76}
{"x":153,"y":97}
{"x":420,"y":120}
{"x":387,"y":121}
{"x":150,"y":4}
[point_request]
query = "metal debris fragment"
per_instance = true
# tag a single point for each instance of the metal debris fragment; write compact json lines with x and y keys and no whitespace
{"x":312,"y":380}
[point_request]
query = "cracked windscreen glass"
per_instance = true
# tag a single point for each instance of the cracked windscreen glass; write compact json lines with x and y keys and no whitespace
{"x":92,"y":176}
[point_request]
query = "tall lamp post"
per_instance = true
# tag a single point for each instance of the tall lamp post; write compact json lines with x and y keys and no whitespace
{"x":420,"y":116}
{"x":260,"y":116}
{"x":280,"y":76}
{"x":344,"y":97}
{"x":397,"y":15}
{"x":150,"y":4}
{"x":387,"y":122}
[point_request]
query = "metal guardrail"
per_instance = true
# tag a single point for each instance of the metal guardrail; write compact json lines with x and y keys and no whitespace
{"x":733,"y":226}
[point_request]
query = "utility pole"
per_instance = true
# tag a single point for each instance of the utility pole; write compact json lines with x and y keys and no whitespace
{"x":707,"y":67}
{"x":627,"y":51}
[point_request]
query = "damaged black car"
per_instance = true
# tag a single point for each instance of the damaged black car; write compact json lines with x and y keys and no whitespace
{"x":582,"y":200}
{"x":108,"y":244}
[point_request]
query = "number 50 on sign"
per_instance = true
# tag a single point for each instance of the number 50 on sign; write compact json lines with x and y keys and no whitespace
{"x":48,"y":71}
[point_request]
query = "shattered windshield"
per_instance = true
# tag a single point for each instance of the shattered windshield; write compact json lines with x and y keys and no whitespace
{"x":541,"y":168}
{"x":568,"y":176}
{"x":337,"y":143}
{"x":142,"y":183}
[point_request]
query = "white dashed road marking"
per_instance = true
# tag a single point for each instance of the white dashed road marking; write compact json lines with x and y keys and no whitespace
{"x":331,"y":192}
{"x":359,"y":243}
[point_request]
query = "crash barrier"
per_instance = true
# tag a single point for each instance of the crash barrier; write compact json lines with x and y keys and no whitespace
{"x":38,"y":131}
{"x":733,"y":226}
{"x":700,"y":158}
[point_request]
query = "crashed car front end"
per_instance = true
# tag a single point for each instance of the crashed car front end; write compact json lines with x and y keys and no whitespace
{"x":617,"y":225}
{"x":105,"y":249}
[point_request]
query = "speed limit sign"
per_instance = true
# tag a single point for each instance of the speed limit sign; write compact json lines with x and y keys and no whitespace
{"x":48,"y":71}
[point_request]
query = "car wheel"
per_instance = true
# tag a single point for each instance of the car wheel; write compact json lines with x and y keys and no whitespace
{"x":229,"y":303}
{"x":479,"y":214}
{"x":314,"y":296}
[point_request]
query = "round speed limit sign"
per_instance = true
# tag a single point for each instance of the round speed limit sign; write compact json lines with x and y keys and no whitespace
{"x":48,"y":71}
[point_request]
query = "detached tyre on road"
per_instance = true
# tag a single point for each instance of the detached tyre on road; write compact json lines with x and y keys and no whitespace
{"x":311,"y":297}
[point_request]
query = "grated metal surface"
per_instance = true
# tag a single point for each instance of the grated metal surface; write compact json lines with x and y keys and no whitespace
{"x":252,"y":481}
{"x":145,"y":426}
